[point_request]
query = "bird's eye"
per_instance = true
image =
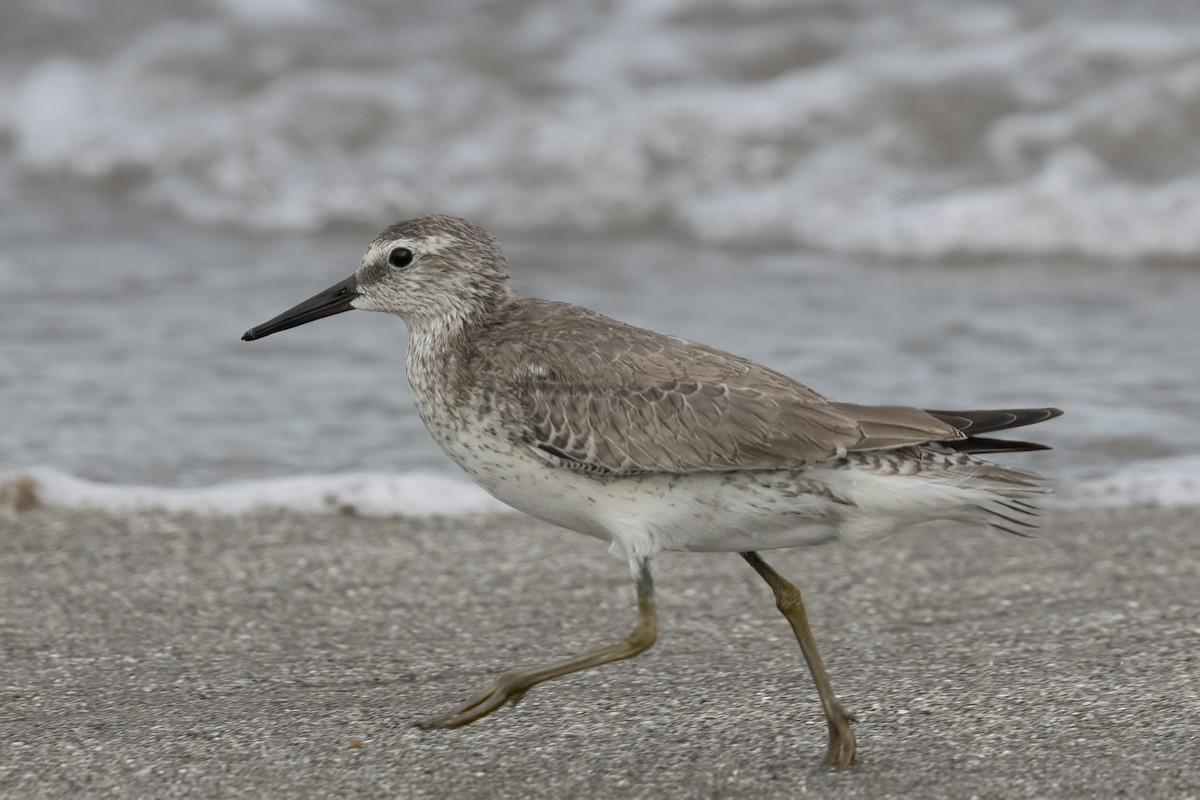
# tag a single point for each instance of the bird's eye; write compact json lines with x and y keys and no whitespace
{"x":400,"y":257}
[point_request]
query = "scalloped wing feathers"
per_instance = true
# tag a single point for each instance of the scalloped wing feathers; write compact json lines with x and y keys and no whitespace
{"x":594,"y":394}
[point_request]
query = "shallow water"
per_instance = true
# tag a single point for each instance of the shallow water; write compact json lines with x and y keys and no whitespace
{"x":120,"y":356}
{"x":946,"y":205}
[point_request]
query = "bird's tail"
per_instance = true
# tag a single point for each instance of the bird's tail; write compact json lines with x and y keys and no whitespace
{"x":1006,"y":497}
{"x":973,"y":423}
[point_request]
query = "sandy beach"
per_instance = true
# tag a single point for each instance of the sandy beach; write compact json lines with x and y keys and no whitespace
{"x":282,"y":655}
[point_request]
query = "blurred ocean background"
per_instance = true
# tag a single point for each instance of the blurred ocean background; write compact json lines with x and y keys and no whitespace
{"x":940,"y":203}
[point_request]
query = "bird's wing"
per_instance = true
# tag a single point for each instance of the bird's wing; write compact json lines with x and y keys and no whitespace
{"x":609,"y":398}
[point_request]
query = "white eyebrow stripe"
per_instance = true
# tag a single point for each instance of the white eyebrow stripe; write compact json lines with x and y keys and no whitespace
{"x":426,"y":245}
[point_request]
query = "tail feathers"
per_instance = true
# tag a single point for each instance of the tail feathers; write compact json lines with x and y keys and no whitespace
{"x":980,"y":444}
{"x":1012,"y":516}
{"x":1009,"y":508}
{"x":974,"y":423}
{"x":1009,"y":504}
{"x":974,"y":473}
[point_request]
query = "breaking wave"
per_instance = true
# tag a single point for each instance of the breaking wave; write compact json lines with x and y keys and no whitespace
{"x":363,"y":494}
{"x":1164,"y":482}
{"x":931,"y":130}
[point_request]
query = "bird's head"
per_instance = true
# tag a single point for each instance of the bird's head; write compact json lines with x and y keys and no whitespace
{"x":429,"y":270}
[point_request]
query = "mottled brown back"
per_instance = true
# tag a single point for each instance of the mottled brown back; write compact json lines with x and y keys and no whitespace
{"x":595,"y":394}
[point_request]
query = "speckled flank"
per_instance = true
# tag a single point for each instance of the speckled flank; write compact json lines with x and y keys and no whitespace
{"x":650,"y":441}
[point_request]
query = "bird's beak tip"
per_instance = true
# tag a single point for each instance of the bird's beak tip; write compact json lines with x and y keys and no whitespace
{"x":334,"y":300}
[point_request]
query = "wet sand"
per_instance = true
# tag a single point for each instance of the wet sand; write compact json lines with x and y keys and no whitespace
{"x":288,"y":656}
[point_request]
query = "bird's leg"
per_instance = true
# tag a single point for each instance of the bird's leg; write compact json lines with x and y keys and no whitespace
{"x":512,"y":686}
{"x":842,"y":746}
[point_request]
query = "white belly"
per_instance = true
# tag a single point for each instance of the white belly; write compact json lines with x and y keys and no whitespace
{"x":642,"y":515}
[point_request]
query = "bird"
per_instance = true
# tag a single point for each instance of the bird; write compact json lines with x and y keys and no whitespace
{"x":655,"y":443}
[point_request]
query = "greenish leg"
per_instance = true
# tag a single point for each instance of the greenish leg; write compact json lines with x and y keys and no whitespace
{"x":512,"y":686}
{"x":842,"y":746}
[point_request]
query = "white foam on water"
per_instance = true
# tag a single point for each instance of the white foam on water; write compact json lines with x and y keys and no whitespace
{"x":364,"y":494}
{"x":1164,"y":482}
{"x":944,"y":131}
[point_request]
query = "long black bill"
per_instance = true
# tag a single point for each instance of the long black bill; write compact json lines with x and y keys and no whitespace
{"x":333,"y":300}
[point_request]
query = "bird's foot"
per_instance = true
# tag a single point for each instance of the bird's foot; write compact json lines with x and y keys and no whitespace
{"x":508,"y":688}
{"x":843,"y":747}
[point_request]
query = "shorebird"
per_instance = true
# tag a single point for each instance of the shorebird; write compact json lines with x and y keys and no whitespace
{"x":651,"y":442}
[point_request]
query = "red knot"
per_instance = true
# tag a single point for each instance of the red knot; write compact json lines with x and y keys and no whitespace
{"x":651,"y":442}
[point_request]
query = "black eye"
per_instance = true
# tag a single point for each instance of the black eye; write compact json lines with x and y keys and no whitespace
{"x":400,"y":257}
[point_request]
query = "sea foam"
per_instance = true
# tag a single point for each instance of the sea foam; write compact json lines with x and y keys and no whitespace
{"x":366,"y":494}
{"x":1165,"y":482}
{"x":947,"y":131}
{"x":1162,"y":481}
